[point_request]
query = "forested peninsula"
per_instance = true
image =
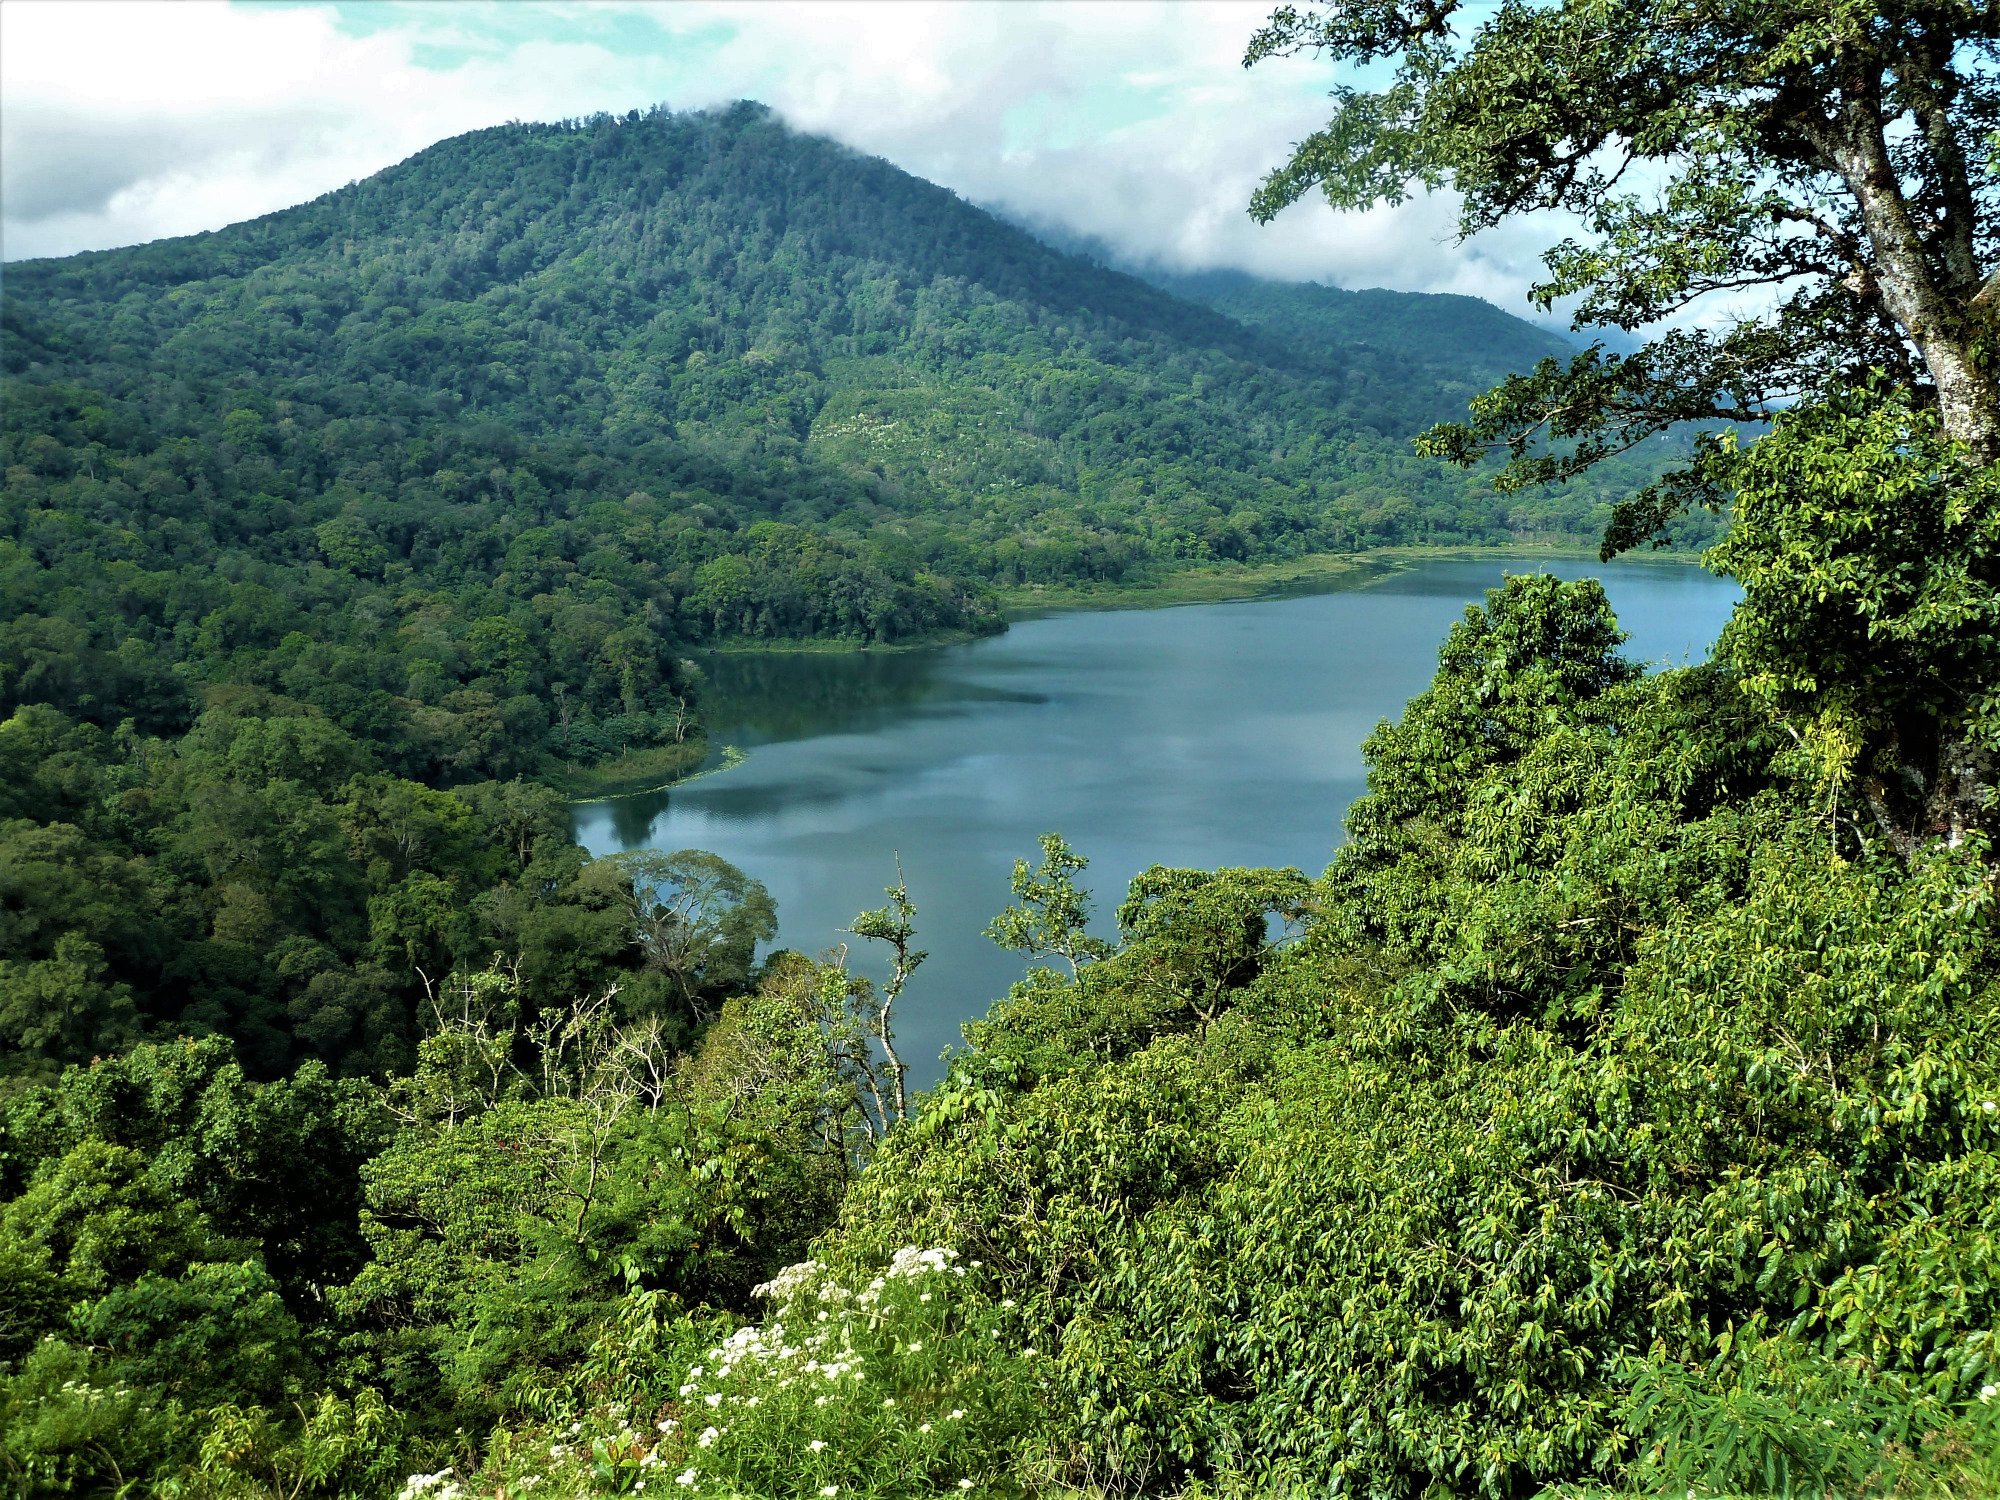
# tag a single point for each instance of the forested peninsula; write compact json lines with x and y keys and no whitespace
{"x":1617,"y":1114}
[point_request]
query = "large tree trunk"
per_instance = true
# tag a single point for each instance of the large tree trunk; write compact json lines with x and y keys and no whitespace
{"x":1942,"y":326}
{"x":1968,"y":403}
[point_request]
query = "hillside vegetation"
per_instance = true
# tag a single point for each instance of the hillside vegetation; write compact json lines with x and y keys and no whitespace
{"x":490,"y":439}
{"x":1617,"y":1114}
{"x":1606,"y":1114}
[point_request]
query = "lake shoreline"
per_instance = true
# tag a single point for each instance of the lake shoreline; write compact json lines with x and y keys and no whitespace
{"x":1211,"y":583}
{"x":630,"y":775}
{"x":1195,"y":738}
{"x":662,"y":768}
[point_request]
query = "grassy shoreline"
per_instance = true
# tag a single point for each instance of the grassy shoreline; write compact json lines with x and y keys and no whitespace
{"x":1218,"y":583}
{"x":648,"y":770}
{"x":1213,"y":583}
{"x":840,"y":645}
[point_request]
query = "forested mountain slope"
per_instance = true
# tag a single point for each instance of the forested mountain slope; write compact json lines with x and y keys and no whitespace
{"x":488,"y":438}
{"x":1453,"y":339}
{"x":845,"y":339}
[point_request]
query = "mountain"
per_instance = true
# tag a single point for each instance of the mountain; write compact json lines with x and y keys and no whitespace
{"x":843,"y":339}
{"x":1451,"y":338}
{"x":466,"y":455}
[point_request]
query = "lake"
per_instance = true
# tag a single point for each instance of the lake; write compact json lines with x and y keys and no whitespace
{"x":1203,"y":735}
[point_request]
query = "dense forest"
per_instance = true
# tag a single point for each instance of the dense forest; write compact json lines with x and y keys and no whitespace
{"x":1617,"y":1114}
{"x":467,"y":456}
{"x":1607,"y":1113}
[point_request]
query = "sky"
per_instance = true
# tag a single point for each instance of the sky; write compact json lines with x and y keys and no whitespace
{"x":1132,"y":123}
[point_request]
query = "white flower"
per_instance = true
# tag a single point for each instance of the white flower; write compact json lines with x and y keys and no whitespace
{"x":1007,"y":1302}
{"x":829,"y":1489}
{"x":888,"y":1400}
{"x":817,"y":1445}
{"x":713,"y":1399}
{"x":925,"y":1428}
{"x":1989,"y":1105}
{"x":916,"y":1346}
{"x":707,"y":1438}
{"x":1988,"y":1392}
{"x":686,"y":1477}
{"x":789,"y":1280}
{"x":958,"y":1414}
{"x":965,"y":1484}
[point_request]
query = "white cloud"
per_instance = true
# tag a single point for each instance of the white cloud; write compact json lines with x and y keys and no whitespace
{"x":1133,"y":123}
{"x":125,"y":122}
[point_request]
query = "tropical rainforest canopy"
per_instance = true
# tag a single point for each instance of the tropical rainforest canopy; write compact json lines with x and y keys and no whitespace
{"x":1618,"y":1113}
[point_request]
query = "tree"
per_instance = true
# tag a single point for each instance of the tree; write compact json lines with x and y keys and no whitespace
{"x":1870,"y":623}
{"x":1832,"y":158}
{"x":894,"y":924}
{"x":1052,"y":911}
{"x":1540,"y":651}
{"x":539,"y":1173}
{"x":696,"y":917}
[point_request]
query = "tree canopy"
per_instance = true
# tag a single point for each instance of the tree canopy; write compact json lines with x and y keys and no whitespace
{"x":1783,"y":195}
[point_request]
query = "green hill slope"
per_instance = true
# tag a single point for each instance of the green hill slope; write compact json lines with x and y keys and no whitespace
{"x":845,"y":339}
{"x":466,"y":454}
{"x":1458,"y":341}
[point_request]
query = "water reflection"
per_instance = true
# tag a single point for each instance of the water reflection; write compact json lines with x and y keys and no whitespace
{"x":1225,"y":734}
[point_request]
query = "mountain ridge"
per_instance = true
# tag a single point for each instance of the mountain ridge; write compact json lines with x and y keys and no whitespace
{"x":484,"y":244}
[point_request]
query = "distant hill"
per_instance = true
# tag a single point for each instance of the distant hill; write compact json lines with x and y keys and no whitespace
{"x":1456,"y":340}
{"x":717,"y":286}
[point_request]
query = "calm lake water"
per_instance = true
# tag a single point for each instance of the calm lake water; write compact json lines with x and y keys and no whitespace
{"x":1207,"y":735}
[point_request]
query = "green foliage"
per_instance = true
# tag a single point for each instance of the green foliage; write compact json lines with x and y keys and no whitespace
{"x":335,"y":1448}
{"x":903,"y":1382}
{"x":1540,"y":805}
{"x":696,"y":918}
{"x":906,"y":1384}
{"x":1869,"y":555}
{"x":1588,"y":1050}
{"x":1053,"y":911}
{"x":262,"y":877}
{"x":1776,"y":1418}
{"x":1595,"y":1124}
{"x":517,"y":1206}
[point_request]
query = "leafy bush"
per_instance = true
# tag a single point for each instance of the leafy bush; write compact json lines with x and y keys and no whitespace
{"x":909,"y":1383}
